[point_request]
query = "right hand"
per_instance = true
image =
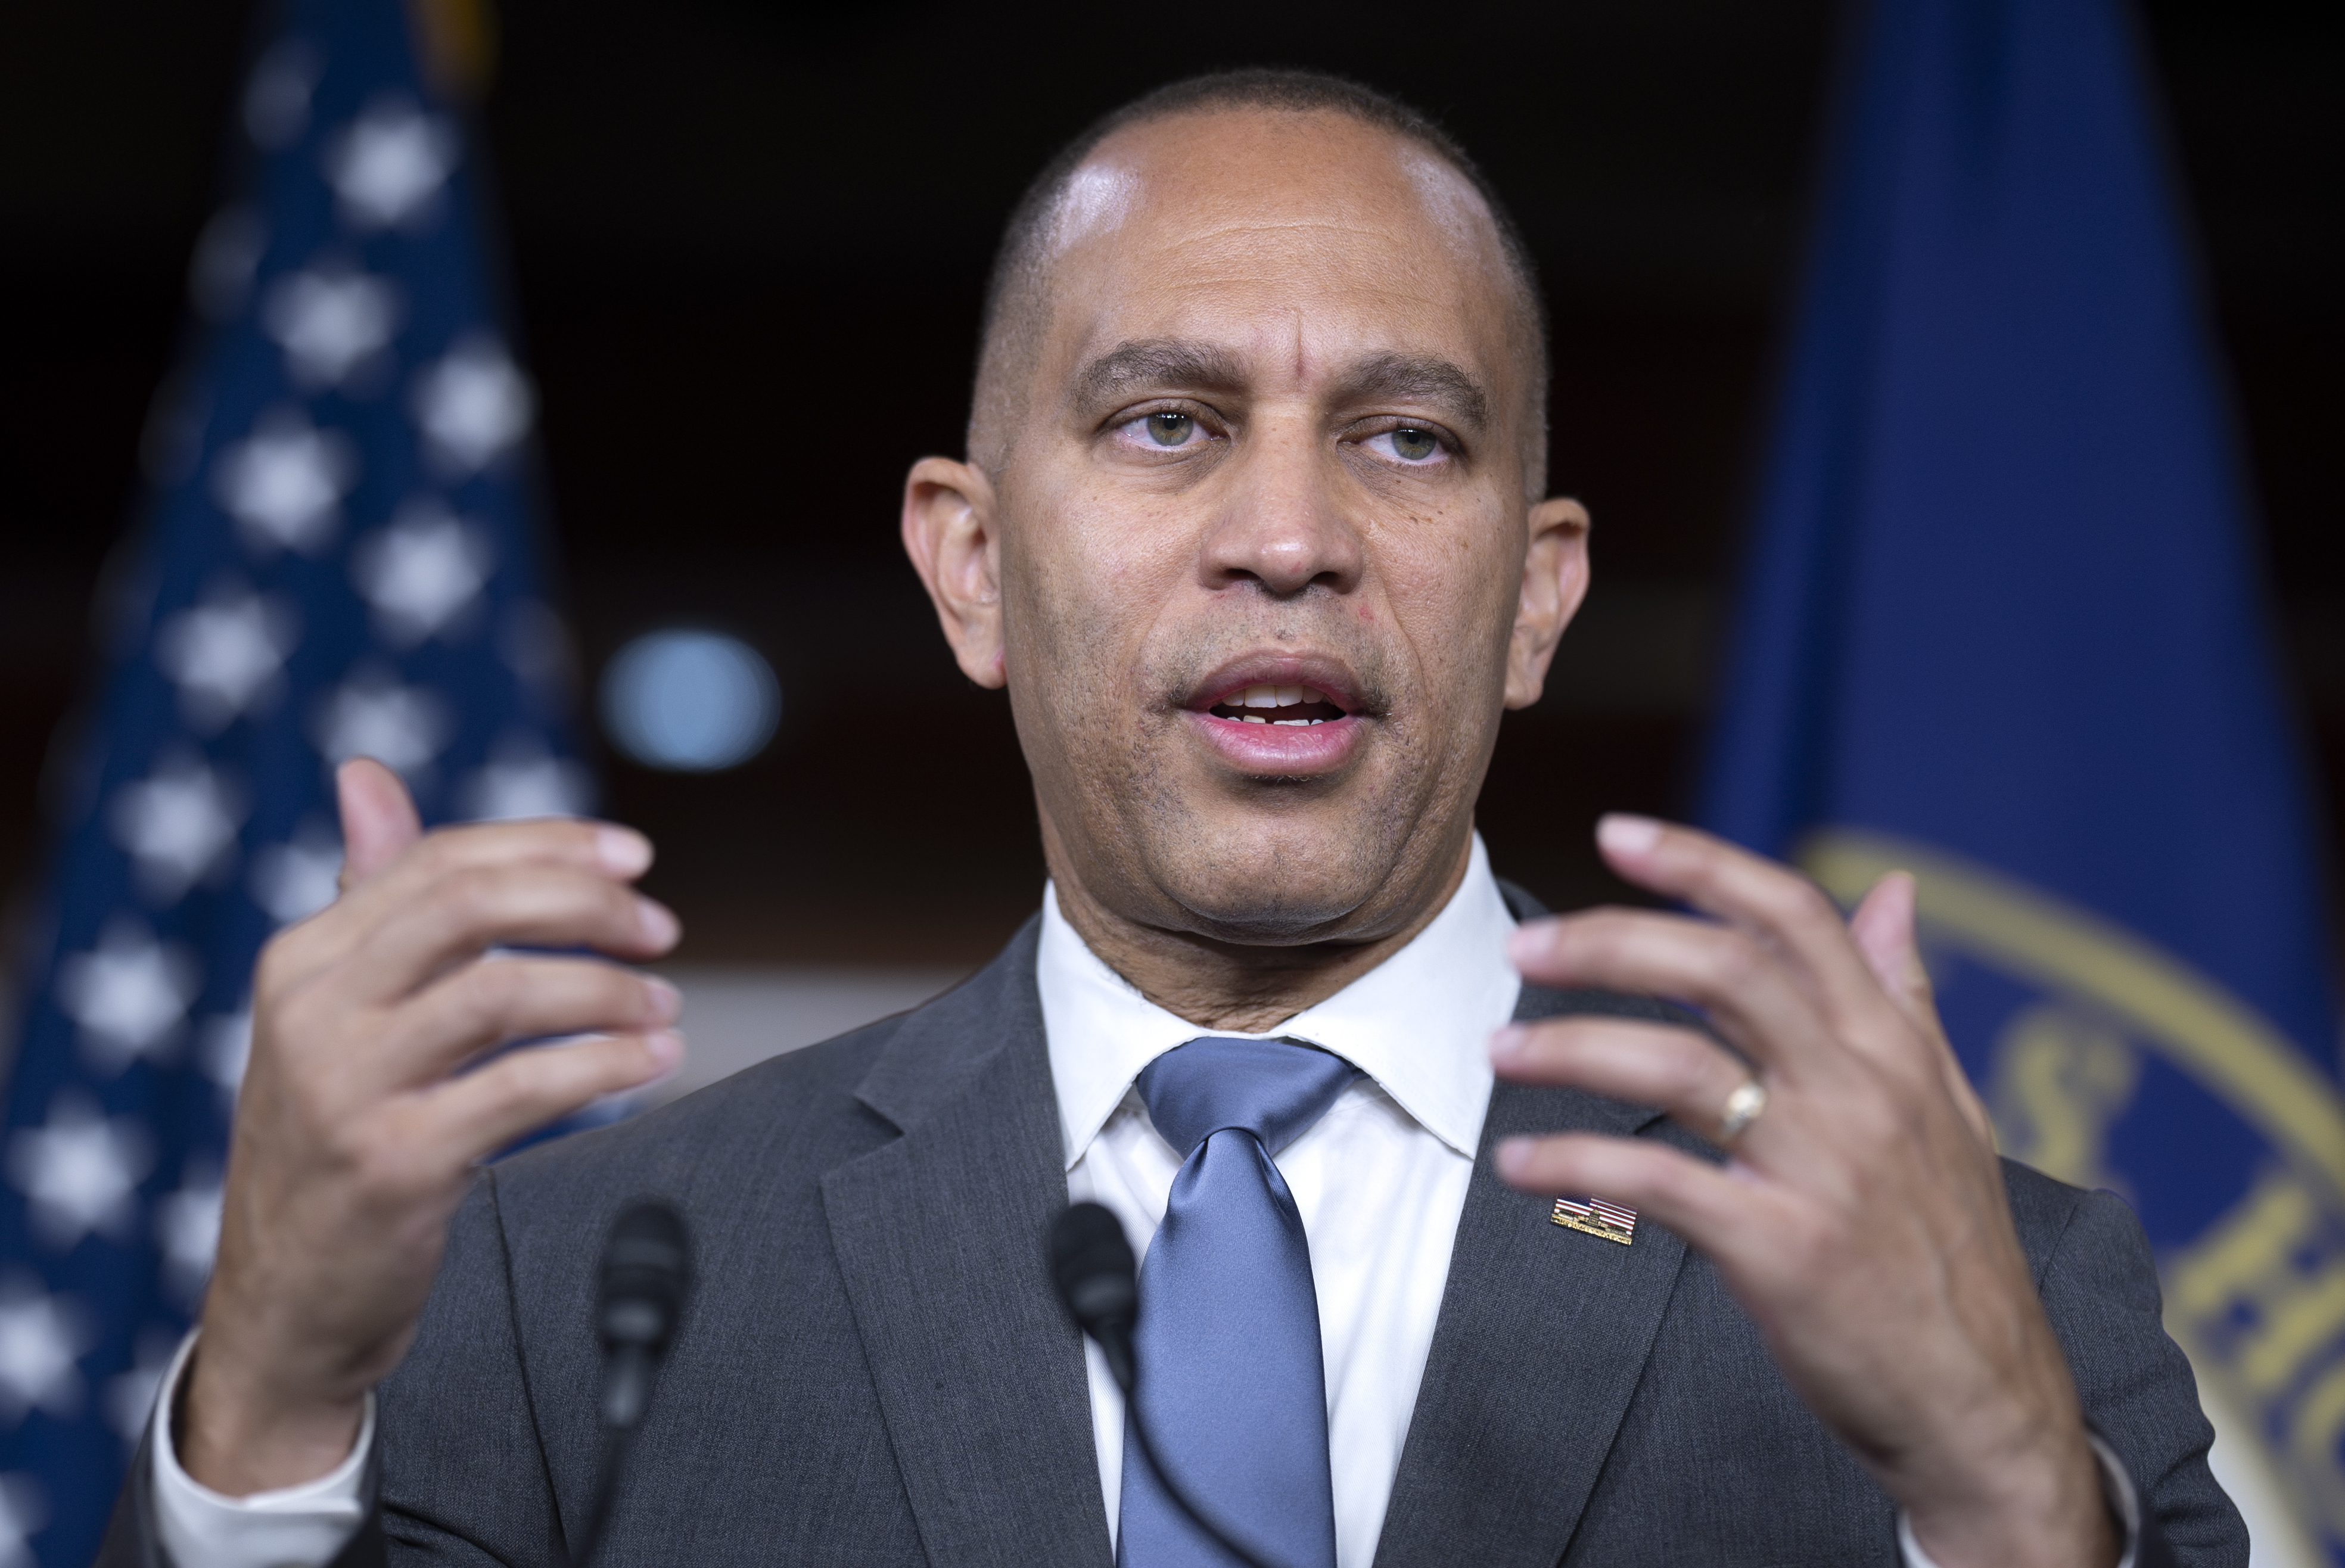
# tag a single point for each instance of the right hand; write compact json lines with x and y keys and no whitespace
{"x":357,"y":1129}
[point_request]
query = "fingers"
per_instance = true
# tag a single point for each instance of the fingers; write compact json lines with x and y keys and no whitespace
{"x":1882,"y":928}
{"x":494,"y":1000}
{"x":379,"y":818}
{"x":1862,"y":1223}
{"x":469,"y":911}
{"x":355,"y":927}
{"x":1781,"y":973}
{"x":1748,"y":993}
{"x":605,"y":849}
{"x":477,"y":1114}
{"x":1752,"y":894}
{"x":353,"y":1142}
{"x":1674,"y":1069}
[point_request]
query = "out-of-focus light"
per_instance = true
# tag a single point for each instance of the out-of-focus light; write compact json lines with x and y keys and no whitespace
{"x":690,"y":701}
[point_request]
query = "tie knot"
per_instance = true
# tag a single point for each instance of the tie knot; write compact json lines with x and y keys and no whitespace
{"x":1274,"y":1090}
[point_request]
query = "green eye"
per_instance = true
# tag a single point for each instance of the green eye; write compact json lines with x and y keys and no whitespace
{"x":1170,"y":430}
{"x":1415,"y":445}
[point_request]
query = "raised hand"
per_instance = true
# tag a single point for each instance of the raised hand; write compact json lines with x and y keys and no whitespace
{"x":359,"y":1128}
{"x":1861,"y":1217}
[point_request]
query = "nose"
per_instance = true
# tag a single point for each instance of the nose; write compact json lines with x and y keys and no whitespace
{"x":1282,"y":525}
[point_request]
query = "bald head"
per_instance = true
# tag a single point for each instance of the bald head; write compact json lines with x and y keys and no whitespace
{"x":1402,"y":167}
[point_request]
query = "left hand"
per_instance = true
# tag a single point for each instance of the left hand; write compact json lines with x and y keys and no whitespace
{"x":1861,"y":1220}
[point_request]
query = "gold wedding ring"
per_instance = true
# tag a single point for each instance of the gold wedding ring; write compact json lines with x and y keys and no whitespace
{"x":1742,"y":1109}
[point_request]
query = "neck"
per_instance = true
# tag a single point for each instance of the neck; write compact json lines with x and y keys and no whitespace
{"x":1241,"y":987}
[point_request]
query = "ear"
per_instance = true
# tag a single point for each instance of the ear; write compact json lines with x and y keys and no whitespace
{"x":1555,"y":580}
{"x":950,"y":535}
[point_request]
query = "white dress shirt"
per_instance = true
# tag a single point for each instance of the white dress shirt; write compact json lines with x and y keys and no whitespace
{"x":298,"y":1527}
{"x":1380,"y":1181}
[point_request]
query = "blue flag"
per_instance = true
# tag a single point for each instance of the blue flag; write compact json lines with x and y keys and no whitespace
{"x":337,"y":560}
{"x":2003,"y":628}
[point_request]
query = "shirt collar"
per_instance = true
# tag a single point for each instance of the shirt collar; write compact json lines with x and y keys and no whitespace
{"x":1419,"y":1023}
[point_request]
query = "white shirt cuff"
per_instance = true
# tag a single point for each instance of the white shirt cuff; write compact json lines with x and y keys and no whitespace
{"x":2115,"y":1485}
{"x":300,"y":1527}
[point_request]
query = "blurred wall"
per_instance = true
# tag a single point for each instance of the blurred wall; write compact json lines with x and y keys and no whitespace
{"x":747,"y":248}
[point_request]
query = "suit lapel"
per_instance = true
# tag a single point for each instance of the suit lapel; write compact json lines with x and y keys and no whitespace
{"x":940,"y":1238}
{"x":1541,"y":1340}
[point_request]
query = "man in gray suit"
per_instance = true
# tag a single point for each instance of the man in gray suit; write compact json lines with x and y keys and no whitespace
{"x":1253,"y":526}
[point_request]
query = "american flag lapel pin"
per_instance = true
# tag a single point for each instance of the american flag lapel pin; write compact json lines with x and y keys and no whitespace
{"x":1597,"y":1217}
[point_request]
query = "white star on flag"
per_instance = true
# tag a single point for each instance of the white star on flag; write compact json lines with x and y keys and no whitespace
{"x":332,"y":321}
{"x":472,"y":404}
{"x":284,"y":483}
{"x":130,"y":993}
{"x":80,"y":1172}
{"x":522,"y":779}
{"x":372,"y":715}
{"x":178,"y":824}
{"x":41,"y":1337}
{"x":388,"y":166}
{"x":422,"y":573}
{"x":130,"y":1395}
{"x":224,"y":1046}
{"x":188,"y":1224}
{"x":227,"y":654}
{"x":295,"y":879}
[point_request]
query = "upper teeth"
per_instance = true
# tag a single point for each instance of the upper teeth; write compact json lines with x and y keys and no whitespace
{"x":1273,"y":697}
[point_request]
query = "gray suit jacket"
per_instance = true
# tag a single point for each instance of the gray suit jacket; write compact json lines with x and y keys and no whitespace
{"x":874,"y":1368}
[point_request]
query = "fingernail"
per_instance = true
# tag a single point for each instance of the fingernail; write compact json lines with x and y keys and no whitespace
{"x":1513,"y":1156}
{"x":1623,"y":833}
{"x":667,"y":1049}
{"x":1507,"y":1043}
{"x":659,"y":927}
{"x":665,"y":999}
{"x":1528,"y":943}
{"x":623,"y":851}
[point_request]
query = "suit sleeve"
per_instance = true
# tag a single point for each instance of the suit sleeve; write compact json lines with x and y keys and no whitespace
{"x":463,"y":1472}
{"x":2100,"y":1290}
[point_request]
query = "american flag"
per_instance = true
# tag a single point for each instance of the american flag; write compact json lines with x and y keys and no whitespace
{"x":337,"y":560}
{"x":1597,"y":1217}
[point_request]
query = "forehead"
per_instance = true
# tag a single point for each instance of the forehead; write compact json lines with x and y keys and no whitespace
{"x":1312,"y":239}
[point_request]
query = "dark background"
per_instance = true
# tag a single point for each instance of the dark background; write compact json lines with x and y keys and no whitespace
{"x":747,"y":246}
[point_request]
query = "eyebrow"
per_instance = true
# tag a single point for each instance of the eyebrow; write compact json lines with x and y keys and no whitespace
{"x":1157,"y":363}
{"x":1420,"y":379}
{"x":1129,"y":367}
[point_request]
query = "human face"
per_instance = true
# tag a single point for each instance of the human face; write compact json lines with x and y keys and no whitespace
{"x":1269,"y":449}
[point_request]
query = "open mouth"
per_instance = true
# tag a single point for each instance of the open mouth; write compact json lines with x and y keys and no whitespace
{"x":1266,"y":704}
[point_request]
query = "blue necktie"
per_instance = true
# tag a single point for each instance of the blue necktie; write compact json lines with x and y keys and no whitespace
{"x":1231,"y":1381}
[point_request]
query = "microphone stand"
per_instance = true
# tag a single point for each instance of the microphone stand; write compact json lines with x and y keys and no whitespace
{"x":1093,"y":1265}
{"x":1179,"y":1492}
{"x":647,"y":1269}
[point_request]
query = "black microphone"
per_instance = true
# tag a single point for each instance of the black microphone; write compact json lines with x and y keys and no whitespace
{"x":646,"y":1272}
{"x":1097,"y":1279}
{"x":1092,"y":1264}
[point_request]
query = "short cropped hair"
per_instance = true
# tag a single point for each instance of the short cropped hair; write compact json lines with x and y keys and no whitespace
{"x":1018,"y":263}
